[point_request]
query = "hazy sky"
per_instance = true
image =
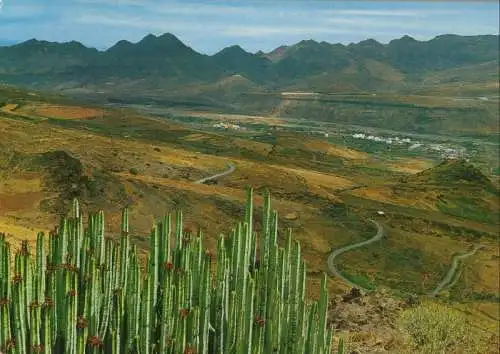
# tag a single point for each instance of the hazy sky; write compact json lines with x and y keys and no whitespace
{"x":211,"y":25}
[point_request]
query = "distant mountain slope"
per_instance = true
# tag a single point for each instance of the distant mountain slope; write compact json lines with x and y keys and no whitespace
{"x":163,"y":67}
{"x":164,"y":61}
{"x":41,"y":57}
{"x":234,"y":60}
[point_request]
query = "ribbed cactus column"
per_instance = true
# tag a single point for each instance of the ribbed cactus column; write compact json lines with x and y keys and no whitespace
{"x":133,"y":302}
{"x":88,"y":294}
{"x":5,"y":294}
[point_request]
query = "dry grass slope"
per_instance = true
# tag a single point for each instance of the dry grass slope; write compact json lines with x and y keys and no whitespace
{"x":149,"y":164}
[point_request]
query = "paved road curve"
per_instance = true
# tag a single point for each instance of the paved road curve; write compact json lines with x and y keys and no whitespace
{"x":451,"y":272}
{"x":230,"y":170}
{"x":331,"y":258}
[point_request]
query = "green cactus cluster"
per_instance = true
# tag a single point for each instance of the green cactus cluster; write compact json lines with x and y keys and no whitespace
{"x":83,"y":293}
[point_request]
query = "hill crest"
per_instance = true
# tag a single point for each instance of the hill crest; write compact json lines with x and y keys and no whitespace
{"x":451,"y":173}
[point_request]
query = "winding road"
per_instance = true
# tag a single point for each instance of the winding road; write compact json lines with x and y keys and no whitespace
{"x":451,"y":272}
{"x":230,"y":170}
{"x":331,"y":258}
{"x":378,"y":236}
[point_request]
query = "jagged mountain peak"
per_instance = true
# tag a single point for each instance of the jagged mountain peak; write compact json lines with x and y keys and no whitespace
{"x":233,"y":50}
{"x":370,"y":42}
{"x":405,"y":39}
{"x":164,"y":40}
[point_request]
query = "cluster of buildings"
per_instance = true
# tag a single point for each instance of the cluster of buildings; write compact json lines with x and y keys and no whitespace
{"x":227,"y":126}
{"x":447,"y":152}
{"x":396,"y":140}
{"x":444,"y":151}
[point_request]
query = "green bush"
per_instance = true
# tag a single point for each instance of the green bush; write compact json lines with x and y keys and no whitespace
{"x":133,"y":171}
{"x":436,"y":328}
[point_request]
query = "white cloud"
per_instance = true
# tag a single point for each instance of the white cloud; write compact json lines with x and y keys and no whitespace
{"x":253,"y":21}
{"x":415,"y":25}
{"x":259,"y":31}
{"x":100,"y":19}
{"x":204,"y":9}
{"x":115,"y":2}
{"x":20,"y":11}
{"x":260,"y":9}
{"x":162,"y":20}
{"x":139,"y":22}
{"x":395,"y":12}
{"x":177,"y":7}
{"x":159,"y":25}
{"x":252,"y":24}
{"x":378,"y":13}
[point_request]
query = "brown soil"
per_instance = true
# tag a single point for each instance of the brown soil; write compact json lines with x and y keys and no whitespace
{"x":67,"y":112}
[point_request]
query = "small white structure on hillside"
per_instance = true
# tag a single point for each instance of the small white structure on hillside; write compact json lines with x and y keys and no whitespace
{"x":380,"y":212}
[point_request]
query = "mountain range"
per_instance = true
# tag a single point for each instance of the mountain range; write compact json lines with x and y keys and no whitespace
{"x":159,"y":64}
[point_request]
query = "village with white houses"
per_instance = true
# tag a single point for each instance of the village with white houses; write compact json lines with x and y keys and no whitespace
{"x":444,"y":151}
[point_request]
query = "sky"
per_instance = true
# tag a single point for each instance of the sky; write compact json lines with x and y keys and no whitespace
{"x":208,"y":26}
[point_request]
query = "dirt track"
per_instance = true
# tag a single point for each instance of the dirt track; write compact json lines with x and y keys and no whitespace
{"x":451,"y":272}
{"x":331,"y":258}
{"x":230,"y":170}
